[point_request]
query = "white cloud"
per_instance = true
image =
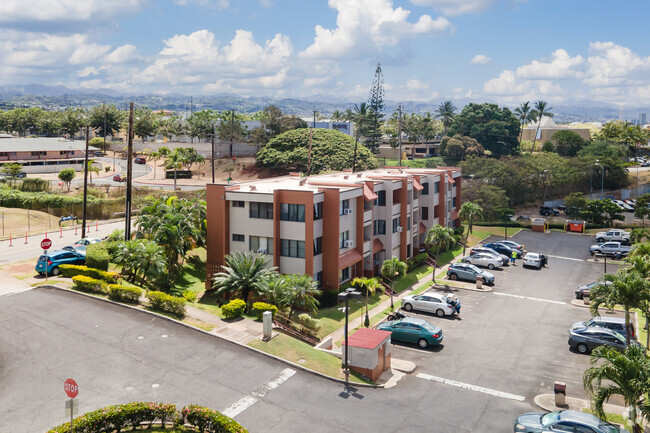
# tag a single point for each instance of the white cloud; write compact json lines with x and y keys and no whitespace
{"x":480,"y":59}
{"x":505,"y":84}
{"x":22,"y":12}
{"x":365,"y":26}
{"x":266,"y":3}
{"x":217,"y":4}
{"x":124,"y":54}
{"x":459,"y":7}
{"x":613,"y":65}
{"x":561,"y":65}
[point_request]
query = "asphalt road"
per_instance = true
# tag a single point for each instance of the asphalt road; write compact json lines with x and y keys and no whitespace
{"x":510,"y":345}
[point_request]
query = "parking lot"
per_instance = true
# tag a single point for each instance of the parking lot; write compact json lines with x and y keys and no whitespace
{"x":512,"y":342}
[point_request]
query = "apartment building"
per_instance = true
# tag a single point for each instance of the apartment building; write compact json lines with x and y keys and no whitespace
{"x":335,"y":226}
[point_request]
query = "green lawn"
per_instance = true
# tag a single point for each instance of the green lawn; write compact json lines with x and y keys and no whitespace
{"x":613,"y":418}
{"x":333,"y":318}
{"x":192,"y":276}
{"x":301,"y":353}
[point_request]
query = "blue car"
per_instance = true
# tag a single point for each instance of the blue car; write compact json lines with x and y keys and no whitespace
{"x":50,"y":263}
{"x":503,"y":249}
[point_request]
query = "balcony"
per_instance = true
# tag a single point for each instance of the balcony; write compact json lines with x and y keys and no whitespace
{"x":367,"y":216}
{"x":367,"y":246}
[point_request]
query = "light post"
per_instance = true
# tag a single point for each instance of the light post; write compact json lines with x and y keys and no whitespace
{"x":345,"y":296}
{"x":602,"y":182}
{"x":544,"y":195}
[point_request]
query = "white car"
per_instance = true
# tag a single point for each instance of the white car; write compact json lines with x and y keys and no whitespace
{"x":534,"y":260}
{"x":430,"y":302}
{"x":485,"y":260}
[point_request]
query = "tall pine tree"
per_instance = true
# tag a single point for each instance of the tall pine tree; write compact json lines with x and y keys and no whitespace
{"x":376,"y":107}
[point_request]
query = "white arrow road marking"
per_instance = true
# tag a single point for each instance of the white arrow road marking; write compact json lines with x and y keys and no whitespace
{"x":247,"y":401}
{"x":529,"y":298}
{"x":475,"y":388}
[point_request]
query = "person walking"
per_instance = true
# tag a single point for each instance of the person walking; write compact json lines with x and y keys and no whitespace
{"x":513,"y":257}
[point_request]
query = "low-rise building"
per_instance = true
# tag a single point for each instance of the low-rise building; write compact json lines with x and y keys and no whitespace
{"x":335,"y":226}
{"x":43,"y":155}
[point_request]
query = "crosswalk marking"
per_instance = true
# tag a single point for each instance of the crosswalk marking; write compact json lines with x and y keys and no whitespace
{"x":470,"y":387}
{"x":248,"y":400}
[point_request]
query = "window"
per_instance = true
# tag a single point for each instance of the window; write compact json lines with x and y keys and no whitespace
{"x":259,"y":243}
{"x":6,"y":154}
{"x":319,"y":279}
{"x":291,"y":248}
{"x":344,"y":274}
{"x":408,"y":223}
{"x":318,"y":246}
{"x":318,"y":211}
{"x":238,"y":238}
{"x":61,"y":153}
{"x":345,"y":236}
{"x":396,"y":223}
{"x":292,"y":212}
{"x":237,"y":203}
{"x":425,"y":191}
{"x":453,"y":202}
{"x":261,"y":210}
{"x":380,"y":227}
{"x":345,"y":204}
{"x":39,"y":153}
{"x":436,"y":188}
{"x":381,"y":198}
{"x":563,"y":426}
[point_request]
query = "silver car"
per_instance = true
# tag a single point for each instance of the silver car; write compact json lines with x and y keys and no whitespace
{"x":563,"y":421}
{"x":482,"y":259}
{"x":505,"y":260}
{"x":533,"y":260}
{"x":430,"y":302}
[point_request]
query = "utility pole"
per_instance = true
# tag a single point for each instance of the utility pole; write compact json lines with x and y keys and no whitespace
{"x":399,"y":132}
{"x":129,"y":177}
{"x":191,"y":112}
{"x":83,"y":211}
{"x":315,"y":118}
{"x":309,"y":154}
{"x":232,"y":131}
{"x":104,"y":130}
{"x":213,"y":134}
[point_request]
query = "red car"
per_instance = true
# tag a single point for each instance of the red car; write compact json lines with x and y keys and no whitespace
{"x":140,"y":160}
{"x":119,"y":178}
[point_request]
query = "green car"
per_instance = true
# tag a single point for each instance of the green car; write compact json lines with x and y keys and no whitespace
{"x":413,"y":330}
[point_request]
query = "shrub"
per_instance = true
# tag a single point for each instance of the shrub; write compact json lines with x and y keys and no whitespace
{"x":309,"y":322}
{"x":167,"y":303}
{"x":190,"y":295}
{"x":328,"y":298}
{"x":88,"y":284}
{"x":260,"y":307}
{"x":416,"y":261}
{"x":97,"y":256}
{"x":208,"y":420}
{"x":124,"y":294}
{"x":548,"y":147}
{"x":34,"y":184}
{"x":233,"y":309}
{"x":73,"y":270}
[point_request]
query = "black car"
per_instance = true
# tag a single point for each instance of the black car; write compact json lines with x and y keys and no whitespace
{"x":548,"y":210}
{"x":503,"y":249}
{"x":584,"y":340}
{"x":582,"y":290}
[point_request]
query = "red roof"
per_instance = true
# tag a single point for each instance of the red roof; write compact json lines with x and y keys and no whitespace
{"x":377,"y":245}
{"x":367,"y":338}
{"x":368,"y":194}
{"x":349,"y":258}
{"x":417,"y":185}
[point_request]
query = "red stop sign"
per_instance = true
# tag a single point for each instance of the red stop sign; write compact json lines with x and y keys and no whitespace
{"x":46,"y":243}
{"x":71,"y":388}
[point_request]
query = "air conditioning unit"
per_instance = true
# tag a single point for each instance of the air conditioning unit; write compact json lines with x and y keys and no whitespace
{"x":348,"y":244}
{"x":347,"y":211}
{"x":400,"y":229}
{"x":262,"y":251}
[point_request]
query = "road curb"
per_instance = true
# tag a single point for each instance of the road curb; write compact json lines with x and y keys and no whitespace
{"x":162,"y":316}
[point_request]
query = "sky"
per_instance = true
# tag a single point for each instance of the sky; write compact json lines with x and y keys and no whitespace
{"x":503,"y":51}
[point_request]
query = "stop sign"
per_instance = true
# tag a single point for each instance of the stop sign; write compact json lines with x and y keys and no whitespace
{"x":46,"y":243}
{"x":70,"y":387}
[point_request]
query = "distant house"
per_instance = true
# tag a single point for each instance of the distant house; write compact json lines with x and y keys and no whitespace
{"x":547,"y":129}
{"x":43,"y":155}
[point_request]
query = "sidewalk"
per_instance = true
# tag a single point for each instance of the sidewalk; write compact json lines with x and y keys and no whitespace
{"x":547,"y":403}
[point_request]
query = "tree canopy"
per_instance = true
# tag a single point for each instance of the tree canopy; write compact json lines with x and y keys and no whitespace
{"x":495,"y":128}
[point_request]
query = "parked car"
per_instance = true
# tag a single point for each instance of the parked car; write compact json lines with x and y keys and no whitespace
{"x":564,"y":421}
{"x":50,"y":262}
{"x":140,"y":160}
{"x":582,"y":290}
{"x":119,"y":178}
{"x":613,"y":249}
{"x":467,"y":272}
{"x":614,"y":323}
{"x":624,"y":206}
{"x":430,"y":302}
{"x":587,"y":339}
{"x":87,"y":241}
{"x":503,"y":249}
{"x":613,"y":235}
{"x":505,"y":260}
{"x":81,"y":249}
{"x":413,"y":330}
{"x":512,"y":244}
{"x":485,"y":260}
{"x":548,"y":210}
{"x":534,"y":260}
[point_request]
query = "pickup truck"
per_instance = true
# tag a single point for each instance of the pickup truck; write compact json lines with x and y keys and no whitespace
{"x":614,"y":249}
{"x":613,"y":235}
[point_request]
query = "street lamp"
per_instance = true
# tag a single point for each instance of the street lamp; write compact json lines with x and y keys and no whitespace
{"x":602,"y":182}
{"x":544,"y":195}
{"x":345,"y":296}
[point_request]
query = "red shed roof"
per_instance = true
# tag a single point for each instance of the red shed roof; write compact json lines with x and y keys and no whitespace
{"x":366,"y":338}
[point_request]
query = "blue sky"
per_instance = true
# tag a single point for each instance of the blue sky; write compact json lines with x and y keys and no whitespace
{"x":505,"y":51}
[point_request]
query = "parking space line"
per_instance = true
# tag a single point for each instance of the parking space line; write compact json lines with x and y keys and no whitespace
{"x":529,"y":298}
{"x":567,"y":258}
{"x":470,"y":387}
{"x":248,"y":400}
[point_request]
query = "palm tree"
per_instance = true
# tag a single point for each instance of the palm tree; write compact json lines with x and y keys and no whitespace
{"x":368,"y":285}
{"x":526,"y":114}
{"x":442,"y":238}
{"x":470,"y":211}
{"x":360,"y":116}
{"x":542,"y":111}
{"x":150,"y":260}
{"x":625,"y":374}
{"x":300,"y":293}
{"x":641,"y":250}
{"x":92,"y":169}
{"x":124,"y":256}
{"x":337,"y":115}
{"x":175,"y":161}
{"x":627,"y":289}
{"x":244,"y":272}
{"x":446,"y":111}
{"x":640,"y":265}
{"x":393,"y":269}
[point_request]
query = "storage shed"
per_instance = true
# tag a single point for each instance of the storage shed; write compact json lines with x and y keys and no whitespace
{"x":369,"y":352}
{"x":538,"y":225}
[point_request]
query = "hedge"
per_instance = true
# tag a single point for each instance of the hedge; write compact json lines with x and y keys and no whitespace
{"x":167,"y":303}
{"x":119,"y":293}
{"x":416,"y":261}
{"x":233,"y":309}
{"x":260,"y":307}
{"x":73,"y":270}
{"x":88,"y":284}
{"x":97,"y":256}
{"x":208,"y":420}
{"x":309,"y":322}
